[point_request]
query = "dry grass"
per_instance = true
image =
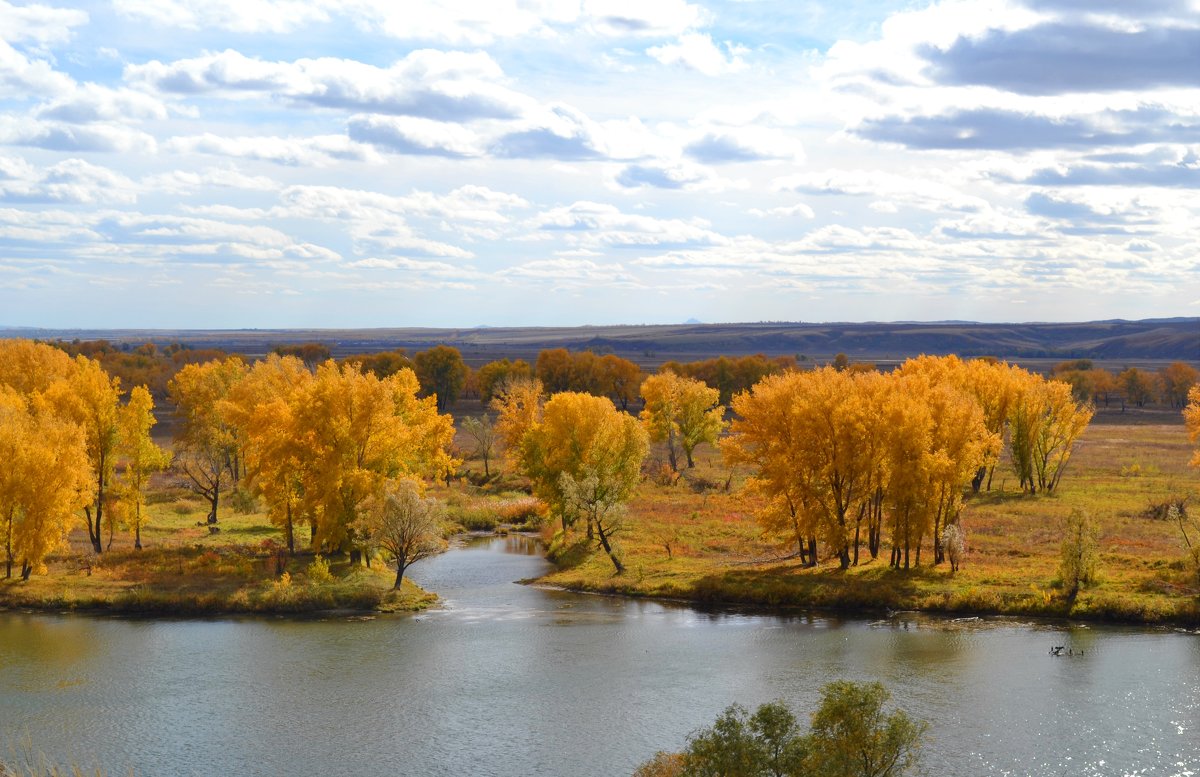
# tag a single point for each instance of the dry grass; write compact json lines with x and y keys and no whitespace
{"x":718,"y":553}
{"x":186,"y":570}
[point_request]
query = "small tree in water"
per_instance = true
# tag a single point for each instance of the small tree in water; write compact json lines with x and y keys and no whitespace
{"x":1080,"y":552}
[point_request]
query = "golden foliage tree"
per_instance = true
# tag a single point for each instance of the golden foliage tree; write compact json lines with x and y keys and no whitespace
{"x":45,"y":479}
{"x":207,"y":449}
{"x":584,"y":458}
{"x":1044,"y":423}
{"x":1191,"y":415}
{"x":364,"y":432}
{"x":518,"y":403}
{"x":141,"y":455}
{"x":683,"y":412}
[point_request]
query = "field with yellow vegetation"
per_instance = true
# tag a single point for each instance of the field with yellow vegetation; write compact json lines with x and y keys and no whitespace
{"x":694,"y":540}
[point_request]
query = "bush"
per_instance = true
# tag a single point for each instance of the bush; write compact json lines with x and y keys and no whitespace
{"x":318,"y":572}
{"x":1080,"y":552}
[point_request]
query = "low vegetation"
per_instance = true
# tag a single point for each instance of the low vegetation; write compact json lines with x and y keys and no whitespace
{"x":850,"y":736}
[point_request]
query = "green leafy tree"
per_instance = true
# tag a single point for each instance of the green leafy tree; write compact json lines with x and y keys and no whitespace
{"x":853,"y":737}
{"x":1079,"y":553}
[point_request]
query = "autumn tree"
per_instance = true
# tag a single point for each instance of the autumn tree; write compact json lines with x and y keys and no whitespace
{"x":1045,"y":422}
{"x":1137,"y":386}
{"x":1191,"y":416}
{"x":1079,"y":552}
{"x":364,"y":431}
{"x":482,"y":432}
{"x":518,"y":403}
{"x":621,"y":379}
{"x":380,"y":364}
{"x":682,"y":412}
{"x":852,"y":736}
{"x":45,"y":479}
{"x":441,"y":373}
{"x":493,"y":375}
{"x":89,"y":398}
{"x":597,"y":448}
{"x":207,"y":448}
{"x":311,"y":354}
{"x":404,"y":525}
{"x":142,"y":457}
{"x":1176,"y":380}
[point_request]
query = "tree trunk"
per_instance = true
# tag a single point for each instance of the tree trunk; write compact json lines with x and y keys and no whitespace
{"x":26,"y":571}
{"x":672,"y":457}
{"x":214,"y":500}
{"x":291,"y":532}
{"x":977,"y":481}
{"x":604,"y":543}
{"x":688,"y":452}
{"x":7,"y":544}
{"x":812,"y":551}
{"x":487,"y":473}
{"x":399,"y":573}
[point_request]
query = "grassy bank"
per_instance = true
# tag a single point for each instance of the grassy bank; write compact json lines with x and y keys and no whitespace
{"x":695,"y":541}
{"x":186,"y":570}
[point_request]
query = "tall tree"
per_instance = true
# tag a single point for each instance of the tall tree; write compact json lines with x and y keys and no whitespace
{"x":493,"y":375}
{"x":599,"y":449}
{"x":207,"y":448}
{"x":482,"y":431}
{"x":683,"y":412}
{"x":89,"y":398}
{"x":1191,"y":416}
{"x":1176,"y":380}
{"x":518,"y":404}
{"x":141,"y":455}
{"x":442,"y":374}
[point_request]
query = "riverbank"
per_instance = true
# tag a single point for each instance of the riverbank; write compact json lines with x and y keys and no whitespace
{"x":694,"y":541}
{"x":188,"y":570}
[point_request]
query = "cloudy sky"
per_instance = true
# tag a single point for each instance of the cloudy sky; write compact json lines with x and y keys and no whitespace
{"x":261,"y":163}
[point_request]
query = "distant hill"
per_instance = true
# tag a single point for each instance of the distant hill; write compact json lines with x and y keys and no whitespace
{"x":1149,"y":340}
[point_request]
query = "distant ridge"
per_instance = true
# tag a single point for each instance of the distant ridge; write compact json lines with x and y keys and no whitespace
{"x":1112,"y":340}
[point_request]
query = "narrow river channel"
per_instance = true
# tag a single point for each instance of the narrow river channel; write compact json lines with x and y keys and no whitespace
{"x":517,"y":681}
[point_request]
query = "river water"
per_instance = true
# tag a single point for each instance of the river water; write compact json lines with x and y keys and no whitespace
{"x":514,"y":680}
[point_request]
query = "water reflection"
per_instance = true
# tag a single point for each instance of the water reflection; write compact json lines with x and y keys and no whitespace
{"x":517,"y":680}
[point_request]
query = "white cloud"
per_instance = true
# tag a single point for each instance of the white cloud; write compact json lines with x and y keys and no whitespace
{"x":38,"y":23}
{"x":697,"y":51}
{"x":73,"y":138}
{"x":69,"y":181}
{"x":317,"y":151}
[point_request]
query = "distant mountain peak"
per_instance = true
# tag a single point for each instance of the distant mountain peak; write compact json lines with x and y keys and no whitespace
{"x":693,"y":321}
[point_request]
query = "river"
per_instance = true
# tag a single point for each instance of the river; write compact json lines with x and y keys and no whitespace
{"x":512,"y":680}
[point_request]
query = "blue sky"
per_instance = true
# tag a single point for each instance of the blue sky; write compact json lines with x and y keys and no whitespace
{"x":362,"y":163}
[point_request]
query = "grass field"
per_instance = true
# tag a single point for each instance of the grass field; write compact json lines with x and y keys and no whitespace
{"x":186,"y":570}
{"x":1122,"y":466}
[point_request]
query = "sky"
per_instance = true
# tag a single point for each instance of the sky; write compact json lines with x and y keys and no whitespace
{"x":372,"y":163}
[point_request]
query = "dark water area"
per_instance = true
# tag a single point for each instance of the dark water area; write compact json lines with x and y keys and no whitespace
{"x":517,"y":680}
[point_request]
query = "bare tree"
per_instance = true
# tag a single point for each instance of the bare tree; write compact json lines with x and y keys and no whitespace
{"x":405,"y":525}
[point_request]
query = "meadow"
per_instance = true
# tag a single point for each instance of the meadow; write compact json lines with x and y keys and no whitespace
{"x":697,"y":540}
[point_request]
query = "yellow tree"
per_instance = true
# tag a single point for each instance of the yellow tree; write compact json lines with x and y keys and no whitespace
{"x":142,"y":457}
{"x":1176,"y":380}
{"x":89,"y":398}
{"x":682,"y":412}
{"x":767,"y":431}
{"x":1044,"y":423}
{"x":518,"y":404}
{"x":365,"y":431}
{"x":29,"y":368}
{"x":206,"y":445}
{"x":584,"y":458}
{"x":264,"y":408}
{"x":44,"y":481}
{"x":829,"y":418}
{"x":1191,"y":415}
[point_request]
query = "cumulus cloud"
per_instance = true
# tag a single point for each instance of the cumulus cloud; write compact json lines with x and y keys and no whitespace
{"x":69,"y":181}
{"x":593,"y":224}
{"x":73,"y":138}
{"x":411,"y":135}
{"x":912,"y":190}
{"x":440,"y":85}
{"x":316,"y":151}
{"x":744,"y":144}
{"x":22,"y":78}
{"x":38,"y":23}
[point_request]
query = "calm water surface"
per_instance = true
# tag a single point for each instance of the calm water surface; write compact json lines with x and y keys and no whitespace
{"x":513,"y":680}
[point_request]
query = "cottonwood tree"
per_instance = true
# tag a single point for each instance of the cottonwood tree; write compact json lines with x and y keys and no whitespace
{"x":441,"y":373}
{"x":89,"y":398}
{"x":207,"y":448}
{"x":1191,"y":416}
{"x":279,"y":451}
{"x":1177,"y":380}
{"x":45,"y":479}
{"x":404,"y":525}
{"x":1079,"y":552}
{"x":363,"y":432}
{"x":853,"y":737}
{"x":141,"y":455}
{"x":683,"y":412}
{"x":493,"y":375}
{"x":518,"y":404}
{"x":1044,"y":423}
{"x":584,"y":437}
